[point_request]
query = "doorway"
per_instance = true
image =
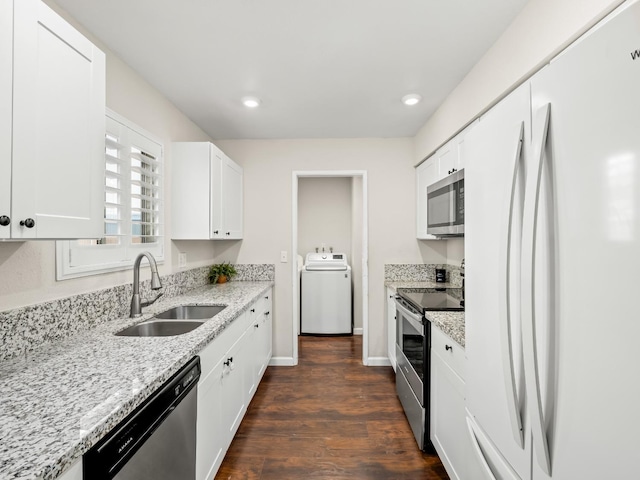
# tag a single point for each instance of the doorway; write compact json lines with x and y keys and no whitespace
{"x":359,"y":250}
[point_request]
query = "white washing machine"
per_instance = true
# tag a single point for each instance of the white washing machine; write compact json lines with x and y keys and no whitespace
{"x":325,"y":295}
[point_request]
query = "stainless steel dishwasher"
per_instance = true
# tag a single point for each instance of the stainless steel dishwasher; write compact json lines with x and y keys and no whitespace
{"x":157,"y":441}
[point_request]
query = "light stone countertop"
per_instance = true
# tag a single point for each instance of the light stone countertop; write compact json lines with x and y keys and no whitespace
{"x":451,"y":323}
{"x":64,"y":397}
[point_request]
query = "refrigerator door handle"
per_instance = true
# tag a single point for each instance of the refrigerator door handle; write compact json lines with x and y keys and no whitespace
{"x":530,"y":350}
{"x":492,"y":463}
{"x":486,"y":470}
{"x":515,"y":415}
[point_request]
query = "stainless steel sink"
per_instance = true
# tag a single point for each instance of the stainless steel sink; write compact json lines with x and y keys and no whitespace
{"x":160,"y":328}
{"x":175,"y":321}
{"x":191,"y":312}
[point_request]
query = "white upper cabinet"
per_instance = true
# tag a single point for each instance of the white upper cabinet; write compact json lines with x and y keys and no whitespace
{"x":446,"y":160}
{"x":206,"y":193}
{"x":52,"y":104}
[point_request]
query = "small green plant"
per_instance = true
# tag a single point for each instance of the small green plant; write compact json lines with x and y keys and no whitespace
{"x":221,"y":272}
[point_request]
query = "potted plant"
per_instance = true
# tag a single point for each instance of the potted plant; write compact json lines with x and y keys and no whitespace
{"x":221,"y":272}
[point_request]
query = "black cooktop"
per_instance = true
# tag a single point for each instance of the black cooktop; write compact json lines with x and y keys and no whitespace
{"x":434,"y":299}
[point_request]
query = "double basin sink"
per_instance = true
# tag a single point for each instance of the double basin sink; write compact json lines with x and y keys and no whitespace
{"x":175,"y":321}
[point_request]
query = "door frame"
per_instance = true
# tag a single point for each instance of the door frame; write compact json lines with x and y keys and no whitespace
{"x":297,"y":174}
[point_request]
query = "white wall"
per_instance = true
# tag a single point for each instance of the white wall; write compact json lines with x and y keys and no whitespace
{"x":27,"y":269}
{"x":541,"y":30}
{"x":268,"y":166}
{"x":324,"y":214}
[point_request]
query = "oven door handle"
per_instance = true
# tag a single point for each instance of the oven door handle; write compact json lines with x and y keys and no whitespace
{"x":415,"y":319}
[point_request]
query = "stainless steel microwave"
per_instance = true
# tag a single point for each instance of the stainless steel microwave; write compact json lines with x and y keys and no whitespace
{"x":445,"y":206}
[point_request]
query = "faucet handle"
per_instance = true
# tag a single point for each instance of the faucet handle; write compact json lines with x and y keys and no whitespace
{"x":146,"y":303}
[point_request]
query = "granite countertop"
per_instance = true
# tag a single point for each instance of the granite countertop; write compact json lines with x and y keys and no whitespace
{"x":64,"y":397}
{"x":451,"y":323}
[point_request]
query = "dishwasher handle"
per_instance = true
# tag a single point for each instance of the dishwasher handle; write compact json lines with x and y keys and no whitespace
{"x":107,"y":457}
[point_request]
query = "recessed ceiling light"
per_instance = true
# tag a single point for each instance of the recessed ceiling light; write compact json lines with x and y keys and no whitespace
{"x":251,"y":102}
{"x":411,"y":99}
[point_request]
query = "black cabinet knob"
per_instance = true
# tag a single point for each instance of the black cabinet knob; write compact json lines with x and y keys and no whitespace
{"x":29,"y":223}
{"x":253,"y":310}
{"x":4,"y":220}
{"x":267,"y":313}
{"x":215,"y":232}
{"x":228,"y":233}
{"x":448,"y":347}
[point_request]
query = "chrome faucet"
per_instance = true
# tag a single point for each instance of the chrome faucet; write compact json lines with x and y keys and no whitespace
{"x":136,"y":304}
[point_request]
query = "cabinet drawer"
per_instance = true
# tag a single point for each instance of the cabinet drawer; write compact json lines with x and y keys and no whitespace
{"x":212,"y":353}
{"x":450,"y":351}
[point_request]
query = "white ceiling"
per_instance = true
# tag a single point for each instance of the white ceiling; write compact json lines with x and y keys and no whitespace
{"x":322,"y":68}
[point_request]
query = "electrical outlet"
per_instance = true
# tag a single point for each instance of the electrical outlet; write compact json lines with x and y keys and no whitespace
{"x":182,"y":259}
{"x":283,"y":256}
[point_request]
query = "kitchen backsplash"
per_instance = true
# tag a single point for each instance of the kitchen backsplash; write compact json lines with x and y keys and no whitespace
{"x":24,"y":329}
{"x":419,"y":272}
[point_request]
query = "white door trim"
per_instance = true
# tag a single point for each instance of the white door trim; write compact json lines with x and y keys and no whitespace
{"x":296,"y":174}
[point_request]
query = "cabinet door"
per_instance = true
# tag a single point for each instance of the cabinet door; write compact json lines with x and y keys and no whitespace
{"x":6,"y":55}
{"x":212,"y":439}
{"x":58,"y":127}
{"x":191,"y":182}
{"x":231,"y":199}
{"x":461,"y":156}
{"x":234,"y":395}
{"x":426,"y":174}
{"x":448,"y":422}
{"x":391,"y":327}
{"x":447,"y":157}
{"x":252,"y":349}
{"x":263,"y":344}
{"x":216,"y":196}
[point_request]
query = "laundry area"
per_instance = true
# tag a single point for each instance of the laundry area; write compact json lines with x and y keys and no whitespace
{"x":325,"y":295}
{"x":329,"y":238}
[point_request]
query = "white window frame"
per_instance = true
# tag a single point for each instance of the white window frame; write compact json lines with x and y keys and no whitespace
{"x":98,"y":259}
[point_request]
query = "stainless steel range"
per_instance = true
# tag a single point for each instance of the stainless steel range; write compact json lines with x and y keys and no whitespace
{"x":413,"y":353}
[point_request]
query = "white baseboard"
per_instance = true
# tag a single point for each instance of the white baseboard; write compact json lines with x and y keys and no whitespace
{"x":357,"y":331}
{"x":378,"y":362}
{"x":281,"y":362}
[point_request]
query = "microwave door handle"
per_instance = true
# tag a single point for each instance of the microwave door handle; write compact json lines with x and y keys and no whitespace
{"x":506,"y":337}
{"x":529,"y":343}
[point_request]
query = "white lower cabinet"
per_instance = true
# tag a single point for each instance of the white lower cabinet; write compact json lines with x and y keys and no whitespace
{"x":448,"y":425}
{"x":391,"y":326}
{"x":232,"y":366}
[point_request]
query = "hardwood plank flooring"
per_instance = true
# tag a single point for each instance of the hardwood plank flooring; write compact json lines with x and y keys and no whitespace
{"x":327,"y":418}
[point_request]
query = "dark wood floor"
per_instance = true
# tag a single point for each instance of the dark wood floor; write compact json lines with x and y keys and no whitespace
{"x":329,"y":417}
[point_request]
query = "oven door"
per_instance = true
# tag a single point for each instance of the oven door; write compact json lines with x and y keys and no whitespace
{"x":411,"y":347}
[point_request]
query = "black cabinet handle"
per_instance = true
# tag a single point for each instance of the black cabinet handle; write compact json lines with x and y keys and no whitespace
{"x":448,"y":347}
{"x":267,"y":313}
{"x":4,"y":220}
{"x":29,"y":223}
{"x":215,"y":232}
{"x":267,"y":297}
{"x":257,"y":325}
{"x":228,"y":233}
{"x":227,"y":362}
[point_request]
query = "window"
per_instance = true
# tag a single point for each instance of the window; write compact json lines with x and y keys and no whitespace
{"x":133,"y":205}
